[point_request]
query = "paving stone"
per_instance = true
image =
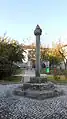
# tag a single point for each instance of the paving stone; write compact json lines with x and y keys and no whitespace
{"x":17,"y":107}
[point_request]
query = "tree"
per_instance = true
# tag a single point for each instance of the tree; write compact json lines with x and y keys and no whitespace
{"x":10,"y":51}
{"x":63,"y":52}
{"x":44,"y":53}
{"x":55,"y":56}
{"x":15,"y":52}
{"x":52,"y":54}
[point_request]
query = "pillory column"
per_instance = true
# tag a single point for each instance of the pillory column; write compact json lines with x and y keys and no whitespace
{"x":37,"y":33}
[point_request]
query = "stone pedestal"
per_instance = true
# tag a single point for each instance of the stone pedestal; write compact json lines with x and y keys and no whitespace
{"x":39,"y":91}
{"x":38,"y":79}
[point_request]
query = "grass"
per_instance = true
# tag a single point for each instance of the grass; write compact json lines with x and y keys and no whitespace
{"x":61,"y":80}
{"x":43,"y":71}
{"x":11,"y":79}
{"x":19,"y":71}
{"x":61,"y":74}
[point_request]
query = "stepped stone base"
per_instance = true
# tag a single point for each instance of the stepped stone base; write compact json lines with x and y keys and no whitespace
{"x":38,"y":90}
{"x":40,"y":95}
{"x":41,"y":79}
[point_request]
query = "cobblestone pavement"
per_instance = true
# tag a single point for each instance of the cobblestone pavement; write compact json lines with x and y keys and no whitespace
{"x":16,"y":107}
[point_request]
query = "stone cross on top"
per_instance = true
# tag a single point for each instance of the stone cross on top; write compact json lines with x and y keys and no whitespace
{"x":37,"y":33}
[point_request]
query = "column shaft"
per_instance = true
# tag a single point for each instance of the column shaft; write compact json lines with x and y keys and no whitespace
{"x":38,"y":56}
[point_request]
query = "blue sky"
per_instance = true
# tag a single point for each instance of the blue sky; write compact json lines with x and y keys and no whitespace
{"x":19,"y":18}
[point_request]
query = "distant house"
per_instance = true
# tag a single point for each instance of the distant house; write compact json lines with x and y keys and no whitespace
{"x":30,"y":54}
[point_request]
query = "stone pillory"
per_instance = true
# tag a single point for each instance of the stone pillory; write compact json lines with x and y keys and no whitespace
{"x":38,"y":87}
{"x":37,"y":33}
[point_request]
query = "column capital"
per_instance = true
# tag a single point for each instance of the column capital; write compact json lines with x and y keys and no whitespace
{"x":38,"y":30}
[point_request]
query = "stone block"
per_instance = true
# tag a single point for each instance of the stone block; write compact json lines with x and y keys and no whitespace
{"x":26,"y":86}
{"x":38,"y":79}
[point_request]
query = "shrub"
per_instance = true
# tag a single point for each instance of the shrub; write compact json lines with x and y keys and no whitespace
{"x":65,"y":74}
{"x":56,"y":77}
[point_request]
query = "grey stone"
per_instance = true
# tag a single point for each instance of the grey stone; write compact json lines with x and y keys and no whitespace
{"x":26,"y":86}
{"x":37,"y":32}
{"x":19,"y":92}
{"x":39,"y":91}
{"x":38,"y":79}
